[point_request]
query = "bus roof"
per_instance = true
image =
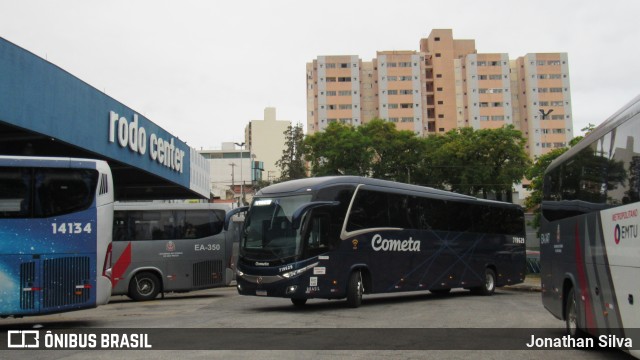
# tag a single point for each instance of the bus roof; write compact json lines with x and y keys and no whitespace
{"x":56,"y":162}
{"x":147,"y":205}
{"x":317,"y":183}
{"x":625,"y":113}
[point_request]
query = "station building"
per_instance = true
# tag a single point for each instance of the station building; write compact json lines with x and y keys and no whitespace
{"x":46,"y":111}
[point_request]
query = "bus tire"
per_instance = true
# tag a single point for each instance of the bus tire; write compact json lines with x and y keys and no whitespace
{"x":489,"y":285}
{"x":571,"y":316}
{"x":144,"y":286}
{"x":355,"y":289}
{"x":297,"y":302}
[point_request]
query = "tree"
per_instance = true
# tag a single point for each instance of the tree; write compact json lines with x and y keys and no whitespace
{"x":291,"y":164}
{"x":536,"y":175}
{"x":338,"y":150}
{"x":475,"y":162}
{"x":396,"y":153}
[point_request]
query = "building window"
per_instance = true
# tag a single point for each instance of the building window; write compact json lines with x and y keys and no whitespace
{"x":344,"y":93}
{"x":404,"y":64}
{"x":406,"y":92}
{"x":392,"y":92}
{"x":391,"y":64}
{"x":407,"y":119}
{"x":344,"y":79}
{"x":331,"y":93}
{"x":345,"y":107}
{"x":393,"y":106}
{"x":406,"y":106}
{"x":438,"y":54}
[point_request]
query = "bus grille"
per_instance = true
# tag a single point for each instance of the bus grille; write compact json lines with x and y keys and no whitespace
{"x":27,"y":278}
{"x":208,"y":273}
{"x":66,"y":281}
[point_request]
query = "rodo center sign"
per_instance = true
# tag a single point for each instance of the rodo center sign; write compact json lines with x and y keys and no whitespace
{"x":132,"y":135}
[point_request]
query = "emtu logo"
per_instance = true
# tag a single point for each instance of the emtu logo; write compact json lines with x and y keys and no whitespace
{"x":624,"y":232}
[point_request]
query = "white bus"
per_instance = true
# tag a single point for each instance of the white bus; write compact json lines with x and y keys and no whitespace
{"x":170,"y":247}
{"x":589,"y":238}
{"x":55,"y":234}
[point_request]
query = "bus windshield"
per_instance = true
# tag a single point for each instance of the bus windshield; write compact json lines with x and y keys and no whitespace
{"x":268,"y":232}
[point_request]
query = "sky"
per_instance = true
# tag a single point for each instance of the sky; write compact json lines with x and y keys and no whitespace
{"x":202,"y":69}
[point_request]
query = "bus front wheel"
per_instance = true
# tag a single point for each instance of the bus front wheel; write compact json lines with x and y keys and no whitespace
{"x":144,"y":286}
{"x":355,"y":289}
{"x":489,"y":285}
{"x":297,"y":302}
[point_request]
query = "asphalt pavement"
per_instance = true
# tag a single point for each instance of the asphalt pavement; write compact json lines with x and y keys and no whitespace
{"x":531,"y":283}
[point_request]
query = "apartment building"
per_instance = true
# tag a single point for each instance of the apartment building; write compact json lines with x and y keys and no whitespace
{"x":545,"y":101}
{"x":266,"y":140}
{"x":445,"y":85}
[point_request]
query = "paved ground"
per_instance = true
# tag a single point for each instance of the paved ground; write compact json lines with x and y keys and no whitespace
{"x":531,"y":283}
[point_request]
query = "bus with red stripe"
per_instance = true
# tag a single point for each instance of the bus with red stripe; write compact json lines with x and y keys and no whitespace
{"x":163,"y":247}
{"x":589,"y":238}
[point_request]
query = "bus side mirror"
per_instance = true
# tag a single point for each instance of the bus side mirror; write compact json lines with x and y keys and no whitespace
{"x":227,"y":217}
{"x":299,"y":213}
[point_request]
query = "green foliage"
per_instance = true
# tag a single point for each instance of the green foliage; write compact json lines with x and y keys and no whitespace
{"x":463,"y":160}
{"x":475,"y":162}
{"x":536,"y":175}
{"x":291,"y":164}
{"x":396,"y":153}
{"x":339,"y":150}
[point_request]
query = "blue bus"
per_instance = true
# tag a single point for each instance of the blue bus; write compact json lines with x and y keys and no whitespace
{"x":589,"y":238}
{"x":345,"y":236}
{"x":55,"y":234}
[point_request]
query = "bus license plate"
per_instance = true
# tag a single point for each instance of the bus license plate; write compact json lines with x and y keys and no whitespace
{"x":261,"y":292}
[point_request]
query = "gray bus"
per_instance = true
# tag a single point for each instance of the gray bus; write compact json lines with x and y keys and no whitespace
{"x":170,"y":247}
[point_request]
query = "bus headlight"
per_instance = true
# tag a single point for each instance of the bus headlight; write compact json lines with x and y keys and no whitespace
{"x":294,"y":273}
